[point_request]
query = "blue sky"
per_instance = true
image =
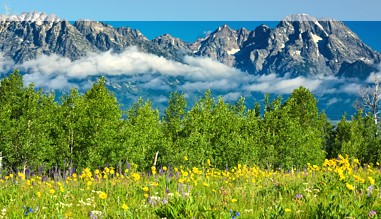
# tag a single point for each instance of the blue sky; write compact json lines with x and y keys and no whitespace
{"x":196,"y":10}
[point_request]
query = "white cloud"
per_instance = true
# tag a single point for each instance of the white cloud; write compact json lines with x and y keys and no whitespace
{"x":332,"y":101}
{"x":283,"y":85}
{"x":149,"y":71}
{"x":156,"y":83}
{"x":232,"y":96}
{"x":223,"y":84}
{"x":350,"y":88}
{"x":374,"y":76}
{"x":58,"y":82}
{"x":162,"y":99}
{"x":6,"y":64}
{"x":130,"y":62}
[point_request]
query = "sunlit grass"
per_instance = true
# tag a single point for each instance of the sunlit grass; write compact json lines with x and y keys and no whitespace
{"x":338,"y":188}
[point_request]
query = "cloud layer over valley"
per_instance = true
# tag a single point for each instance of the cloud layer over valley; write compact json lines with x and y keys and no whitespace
{"x":148,"y":71}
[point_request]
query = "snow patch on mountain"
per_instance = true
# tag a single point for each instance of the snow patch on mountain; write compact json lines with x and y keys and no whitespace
{"x":233,"y":51}
{"x":38,"y":17}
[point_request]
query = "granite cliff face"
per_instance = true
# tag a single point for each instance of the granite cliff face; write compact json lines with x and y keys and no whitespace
{"x":173,"y":45}
{"x":26,"y":37}
{"x":25,"y":40}
{"x":298,"y":45}
{"x":221,"y":45}
{"x":302,"y":45}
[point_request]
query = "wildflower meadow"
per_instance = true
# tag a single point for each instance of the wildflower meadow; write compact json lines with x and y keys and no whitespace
{"x":339,"y":188}
{"x":83,"y":156}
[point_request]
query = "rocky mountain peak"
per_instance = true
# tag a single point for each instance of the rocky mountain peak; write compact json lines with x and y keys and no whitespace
{"x":173,"y":45}
{"x":298,"y":45}
{"x":223,"y":31}
{"x":222,"y":44}
{"x":299,"y":18}
{"x":30,"y":17}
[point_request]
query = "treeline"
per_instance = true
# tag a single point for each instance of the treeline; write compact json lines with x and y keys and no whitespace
{"x":91,"y":130}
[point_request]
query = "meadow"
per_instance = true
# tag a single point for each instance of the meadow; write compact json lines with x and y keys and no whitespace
{"x":278,"y":159}
{"x":339,"y":188}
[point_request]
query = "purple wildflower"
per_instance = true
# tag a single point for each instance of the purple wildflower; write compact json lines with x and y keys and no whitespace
{"x":370,"y":189}
{"x":92,"y":216}
{"x":372,"y":213}
{"x":151,"y":201}
{"x":161,"y":170}
{"x":298,"y":196}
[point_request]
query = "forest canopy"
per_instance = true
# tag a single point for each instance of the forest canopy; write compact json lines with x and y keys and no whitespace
{"x":91,"y":130}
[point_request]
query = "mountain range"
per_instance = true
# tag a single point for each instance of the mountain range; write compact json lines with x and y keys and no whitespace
{"x":300,"y":45}
{"x":323,"y":55}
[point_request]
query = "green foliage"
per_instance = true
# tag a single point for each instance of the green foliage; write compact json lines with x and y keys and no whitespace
{"x":293,"y":136}
{"x":26,"y":130}
{"x":179,"y":207}
{"x":142,"y":135}
{"x":359,"y":138}
{"x":90,"y":130}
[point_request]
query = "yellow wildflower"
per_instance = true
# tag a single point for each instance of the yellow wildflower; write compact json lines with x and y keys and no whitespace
{"x":165,"y":168}
{"x":145,"y":188}
{"x":38,"y":194}
{"x":349,"y":186}
{"x":124,"y":207}
{"x":21,"y":175}
{"x":135,"y":176}
{"x":51,"y":191}
{"x":234,"y":200}
{"x":371,"y":180}
{"x":358,"y":179}
{"x":184,"y":173}
{"x":208,"y":162}
{"x":146,"y":195}
{"x":185,"y":158}
{"x":102,"y":195}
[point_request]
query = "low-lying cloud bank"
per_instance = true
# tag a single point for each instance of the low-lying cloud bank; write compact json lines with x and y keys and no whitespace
{"x":148,"y":71}
{"x":130,"y":62}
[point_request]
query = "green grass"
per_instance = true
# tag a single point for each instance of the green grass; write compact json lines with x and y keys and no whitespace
{"x":204,"y":192}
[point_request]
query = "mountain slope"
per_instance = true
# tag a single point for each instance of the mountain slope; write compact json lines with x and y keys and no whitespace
{"x":298,"y":45}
